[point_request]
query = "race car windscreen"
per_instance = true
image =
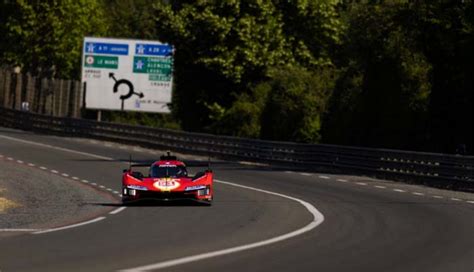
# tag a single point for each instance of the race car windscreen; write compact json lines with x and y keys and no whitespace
{"x":157,"y":171}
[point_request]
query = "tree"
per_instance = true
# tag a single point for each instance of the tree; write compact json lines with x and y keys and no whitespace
{"x":47,"y":35}
{"x":225,"y":47}
{"x":382,"y":96}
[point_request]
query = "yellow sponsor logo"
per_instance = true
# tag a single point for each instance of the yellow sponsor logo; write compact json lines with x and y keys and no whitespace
{"x":167,"y":184}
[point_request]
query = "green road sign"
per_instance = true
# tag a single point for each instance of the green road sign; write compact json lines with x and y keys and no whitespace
{"x":152,"y":65}
{"x":159,"y":77}
{"x":109,"y":62}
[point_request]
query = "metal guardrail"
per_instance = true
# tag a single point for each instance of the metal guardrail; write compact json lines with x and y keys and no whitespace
{"x":440,"y":170}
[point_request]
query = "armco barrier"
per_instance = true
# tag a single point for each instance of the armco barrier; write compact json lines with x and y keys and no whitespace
{"x":441,"y":170}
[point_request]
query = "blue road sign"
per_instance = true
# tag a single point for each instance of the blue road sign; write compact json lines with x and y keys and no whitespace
{"x":106,"y":48}
{"x":153,"y":49}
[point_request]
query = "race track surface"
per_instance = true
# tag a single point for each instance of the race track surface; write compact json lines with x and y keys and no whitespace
{"x":369,"y":225}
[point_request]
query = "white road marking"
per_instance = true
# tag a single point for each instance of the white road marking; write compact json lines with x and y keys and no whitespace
{"x":289,"y":172}
{"x":455,"y":199}
{"x":1,"y":156}
{"x":115,"y":192}
{"x":306,"y":174}
{"x":64,"y":175}
{"x":324,"y":177}
{"x":110,"y":190}
{"x":85,"y":181}
{"x":93,"y":183}
{"x":102,"y":186}
{"x":43,"y":168}
{"x":361,"y":183}
{"x":20,"y":161}
{"x":417,"y":193}
{"x":399,"y":190}
{"x":318,"y":218}
{"x":116,"y":211}
{"x":71,"y":226}
{"x":75,"y":178}
{"x":342,"y":180}
{"x":437,"y":196}
{"x":17,"y":230}
{"x":472,"y":202}
{"x":54,"y":171}
{"x":380,"y":187}
{"x":122,"y":147}
{"x":108,"y":145}
{"x":56,"y":147}
{"x":10,"y":158}
{"x":31,"y":164}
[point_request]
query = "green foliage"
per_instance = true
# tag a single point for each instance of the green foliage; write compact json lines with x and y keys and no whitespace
{"x":141,"y":119}
{"x":223,"y":47}
{"x":296,"y":103}
{"x":130,"y":19}
{"x":45,"y":37}
{"x":373,"y":73}
{"x":383,"y":93}
{"x":243,"y":118}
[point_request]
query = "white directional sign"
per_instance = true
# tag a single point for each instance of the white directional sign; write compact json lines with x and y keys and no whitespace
{"x":128,"y":75}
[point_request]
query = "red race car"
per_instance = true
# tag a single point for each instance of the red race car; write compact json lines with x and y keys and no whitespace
{"x":167,"y":180}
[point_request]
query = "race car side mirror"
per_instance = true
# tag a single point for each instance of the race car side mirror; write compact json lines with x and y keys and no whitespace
{"x":124,"y":170}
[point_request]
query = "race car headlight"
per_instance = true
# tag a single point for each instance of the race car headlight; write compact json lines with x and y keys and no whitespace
{"x":130,"y":192}
{"x":204,"y":191}
{"x":194,"y":188}
{"x":137,"y":187}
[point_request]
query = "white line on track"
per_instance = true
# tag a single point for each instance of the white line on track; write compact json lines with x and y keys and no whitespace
{"x":318,"y":218}
{"x":399,"y":190}
{"x":10,"y":158}
{"x":64,"y":175}
{"x":85,"y":181}
{"x":71,"y":226}
{"x":361,"y":183}
{"x":455,"y":199}
{"x":56,"y":147}
{"x":116,"y":211}
{"x":75,"y":178}
{"x":324,"y":177}
{"x":31,"y":164}
{"x":472,"y":202}
{"x":20,"y":161}
{"x":437,"y":196}
{"x":306,"y":174}
{"x":342,"y":180}
{"x":289,"y":172}
{"x":93,"y":183}
{"x":18,"y":230}
{"x":417,"y":193}
{"x":380,"y":187}
{"x":54,"y":171}
{"x":43,"y":168}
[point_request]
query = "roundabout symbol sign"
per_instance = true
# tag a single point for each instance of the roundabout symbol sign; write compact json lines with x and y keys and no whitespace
{"x":128,"y":84}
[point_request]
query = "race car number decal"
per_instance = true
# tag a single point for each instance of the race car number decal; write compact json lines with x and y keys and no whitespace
{"x":167,"y":184}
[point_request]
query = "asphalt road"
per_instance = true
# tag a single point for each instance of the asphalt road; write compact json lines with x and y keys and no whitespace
{"x":369,"y":225}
